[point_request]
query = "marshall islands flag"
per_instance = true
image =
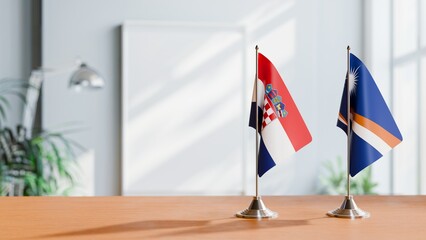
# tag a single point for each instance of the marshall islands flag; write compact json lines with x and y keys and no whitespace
{"x":373,"y":130}
{"x":281,"y":127}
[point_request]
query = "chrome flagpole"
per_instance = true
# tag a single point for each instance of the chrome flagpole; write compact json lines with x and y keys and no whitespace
{"x":257,"y":121}
{"x":348,"y":209}
{"x":257,"y":208}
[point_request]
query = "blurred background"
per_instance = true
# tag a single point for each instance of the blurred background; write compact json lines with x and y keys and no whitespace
{"x":172,"y":117}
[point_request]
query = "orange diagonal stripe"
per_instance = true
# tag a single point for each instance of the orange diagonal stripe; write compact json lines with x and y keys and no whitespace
{"x":390,"y":139}
{"x":343,"y":119}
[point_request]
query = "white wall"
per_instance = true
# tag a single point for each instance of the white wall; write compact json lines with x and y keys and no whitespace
{"x":15,"y":47}
{"x":305,"y":39}
{"x":395,"y":43}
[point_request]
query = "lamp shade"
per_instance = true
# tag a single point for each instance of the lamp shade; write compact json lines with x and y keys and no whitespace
{"x":86,"y":77}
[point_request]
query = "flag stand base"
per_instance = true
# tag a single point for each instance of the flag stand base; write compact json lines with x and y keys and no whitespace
{"x":349,"y":209}
{"x":257,"y":209}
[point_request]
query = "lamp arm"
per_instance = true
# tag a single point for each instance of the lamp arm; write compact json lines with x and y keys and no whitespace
{"x":31,"y":100}
{"x":33,"y":93}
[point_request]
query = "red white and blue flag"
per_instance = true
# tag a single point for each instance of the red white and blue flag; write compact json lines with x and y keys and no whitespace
{"x":281,"y":127}
{"x":373,"y":130}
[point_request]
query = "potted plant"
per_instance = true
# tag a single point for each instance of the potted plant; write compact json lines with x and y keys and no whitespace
{"x":334,"y":180}
{"x":37,"y":165}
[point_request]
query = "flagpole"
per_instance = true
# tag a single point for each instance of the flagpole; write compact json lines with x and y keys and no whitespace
{"x":348,"y":119}
{"x":348,"y":209}
{"x":257,"y":123}
{"x":257,"y":208}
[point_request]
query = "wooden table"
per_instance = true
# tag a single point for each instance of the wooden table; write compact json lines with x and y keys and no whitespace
{"x":301,"y":217}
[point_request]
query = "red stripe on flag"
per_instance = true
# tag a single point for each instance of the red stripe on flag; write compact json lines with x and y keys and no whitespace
{"x":293,"y":123}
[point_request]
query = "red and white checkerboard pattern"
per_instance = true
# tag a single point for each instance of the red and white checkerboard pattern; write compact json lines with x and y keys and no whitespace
{"x":268,"y":114}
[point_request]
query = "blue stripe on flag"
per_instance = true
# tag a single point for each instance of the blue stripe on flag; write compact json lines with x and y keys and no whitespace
{"x":265,"y":160}
{"x":252,"y":119}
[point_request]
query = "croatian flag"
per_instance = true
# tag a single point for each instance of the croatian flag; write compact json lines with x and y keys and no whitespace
{"x":373,"y":129}
{"x":281,"y":127}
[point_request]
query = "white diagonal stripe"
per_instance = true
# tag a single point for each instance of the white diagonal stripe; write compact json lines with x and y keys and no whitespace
{"x":371,"y":138}
{"x":342,"y":120}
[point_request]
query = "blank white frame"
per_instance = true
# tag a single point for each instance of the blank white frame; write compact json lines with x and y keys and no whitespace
{"x":126,"y":77}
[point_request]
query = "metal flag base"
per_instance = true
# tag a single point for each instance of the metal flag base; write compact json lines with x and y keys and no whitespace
{"x":257,"y":209}
{"x":349,"y":209}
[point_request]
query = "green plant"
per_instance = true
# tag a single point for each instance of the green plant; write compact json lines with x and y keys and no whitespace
{"x":334,"y":180}
{"x":42,"y":164}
